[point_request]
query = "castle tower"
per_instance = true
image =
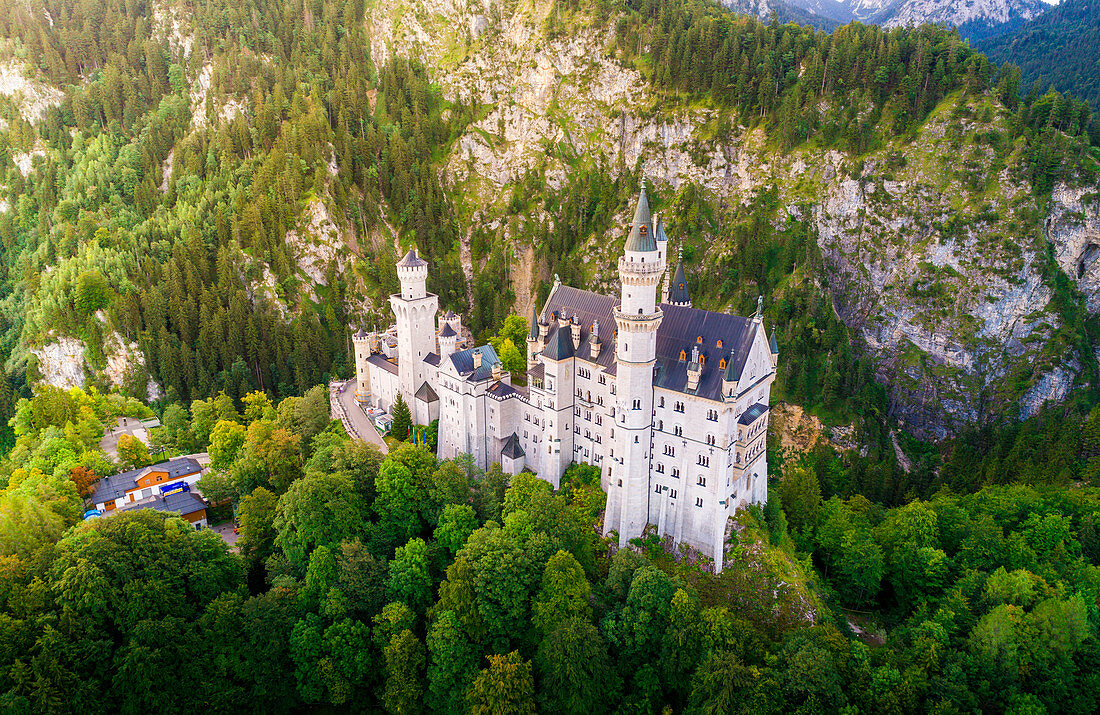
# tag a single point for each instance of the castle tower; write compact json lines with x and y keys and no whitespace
{"x":414,"y":308}
{"x":448,"y":342}
{"x":637,"y":319}
{"x":678,"y":290}
{"x":361,"y":344}
{"x":533,"y":346}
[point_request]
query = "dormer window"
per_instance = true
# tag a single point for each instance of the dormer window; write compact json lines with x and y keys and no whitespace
{"x":699,"y":340}
{"x":683,"y":356}
{"x":641,"y":231}
{"x":719,"y":344}
{"x":722,"y":364}
{"x":702,"y":359}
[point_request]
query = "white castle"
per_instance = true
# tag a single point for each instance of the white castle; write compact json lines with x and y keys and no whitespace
{"x":670,"y":402}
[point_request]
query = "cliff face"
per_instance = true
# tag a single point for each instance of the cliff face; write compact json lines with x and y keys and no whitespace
{"x":932,"y":247}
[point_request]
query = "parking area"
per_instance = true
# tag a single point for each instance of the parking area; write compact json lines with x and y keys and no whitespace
{"x":225,"y":530}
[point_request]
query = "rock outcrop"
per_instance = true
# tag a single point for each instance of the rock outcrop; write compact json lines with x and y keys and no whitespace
{"x":932,"y":253}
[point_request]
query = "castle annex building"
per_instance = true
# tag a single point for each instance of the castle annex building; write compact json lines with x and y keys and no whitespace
{"x":670,"y":402}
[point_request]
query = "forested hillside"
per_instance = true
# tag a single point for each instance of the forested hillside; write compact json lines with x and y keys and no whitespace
{"x":398,"y":583}
{"x":1057,"y":49}
{"x":214,"y":196}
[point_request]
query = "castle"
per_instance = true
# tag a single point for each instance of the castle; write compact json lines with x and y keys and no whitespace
{"x":670,"y":402}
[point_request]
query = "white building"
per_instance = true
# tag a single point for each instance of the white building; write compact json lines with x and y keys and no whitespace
{"x":670,"y":402}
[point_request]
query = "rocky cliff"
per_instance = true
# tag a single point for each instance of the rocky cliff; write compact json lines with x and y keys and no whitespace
{"x":932,"y":248}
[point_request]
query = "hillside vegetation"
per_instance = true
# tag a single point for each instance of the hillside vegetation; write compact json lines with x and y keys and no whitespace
{"x":1057,"y":49}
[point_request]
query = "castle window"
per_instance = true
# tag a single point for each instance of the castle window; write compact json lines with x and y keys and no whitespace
{"x":702,"y":359}
{"x":702,"y":481}
{"x":660,"y":468}
{"x":672,"y":493}
{"x":699,"y":502}
{"x":635,"y":439}
{"x":722,"y":364}
{"x":661,"y":425}
{"x":704,"y":461}
{"x":675,"y":474}
{"x":657,"y":489}
{"x":683,"y":356}
{"x":719,"y":344}
{"x":678,"y":431}
{"x":712,"y":415}
{"x":710,"y":439}
{"x":603,"y":379}
{"x":699,"y":340}
{"x":661,"y":401}
{"x":637,"y":404}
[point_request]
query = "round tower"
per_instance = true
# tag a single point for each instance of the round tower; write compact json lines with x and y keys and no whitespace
{"x":414,"y":309}
{"x":361,"y":343}
{"x":637,"y":319}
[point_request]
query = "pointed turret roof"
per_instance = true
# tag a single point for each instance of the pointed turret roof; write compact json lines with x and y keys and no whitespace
{"x":678,"y":291}
{"x":774,"y":344}
{"x":731,"y":369}
{"x":447,"y":332}
{"x":659,"y":229}
{"x":411,"y":260}
{"x":512,"y":448}
{"x":534,"y":332}
{"x":641,"y":237}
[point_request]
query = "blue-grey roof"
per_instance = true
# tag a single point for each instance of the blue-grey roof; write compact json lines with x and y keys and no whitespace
{"x":432,"y":359}
{"x":412,"y":260}
{"x":678,"y":290}
{"x":512,"y":448}
{"x":773,"y":344}
{"x":659,"y":229}
{"x":381,"y":361}
{"x":534,"y":332}
{"x":181,"y":503}
{"x":115,"y":486}
{"x":753,"y":413}
{"x":447,"y":332}
{"x":641,"y":236}
{"x":559,"y":343}
{"x":463,"y":362}
{"x":502,"y":390}
{"x":426,"y":393}
{"x":679,"y":329}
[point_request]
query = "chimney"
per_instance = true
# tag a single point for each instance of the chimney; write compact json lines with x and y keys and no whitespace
{"x":544,"y":330}
{"x":594,"y":340}
{"x":694,"y":370}
{"x":498,"y":370}
{"x":477,"y":359}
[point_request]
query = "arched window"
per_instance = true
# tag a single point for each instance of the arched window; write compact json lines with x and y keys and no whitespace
{"x":699,"y":339}
{"x":702,"y":359}
{"x":722,"y":363}
{"x":683,"y":356}
{"x":719,"y":344}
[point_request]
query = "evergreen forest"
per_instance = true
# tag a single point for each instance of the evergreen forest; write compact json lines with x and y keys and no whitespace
{"x":163,"y":207}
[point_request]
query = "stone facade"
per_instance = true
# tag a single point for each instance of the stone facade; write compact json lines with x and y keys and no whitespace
{"x":670,"y":402}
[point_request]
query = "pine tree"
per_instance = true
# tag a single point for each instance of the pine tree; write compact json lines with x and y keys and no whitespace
{"x":402,"y":419}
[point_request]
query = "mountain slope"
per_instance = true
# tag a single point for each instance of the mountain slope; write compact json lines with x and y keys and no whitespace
{"x":904,"y":230}
{"x":1060,"y":47}
{"x":975,"y":19}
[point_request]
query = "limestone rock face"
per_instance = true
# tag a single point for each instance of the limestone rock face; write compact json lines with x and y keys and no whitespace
{"x":931,"y":246}
{"x":61,"y":362}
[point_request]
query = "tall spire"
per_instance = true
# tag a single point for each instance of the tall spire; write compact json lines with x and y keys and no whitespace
{"x":678,"y":291}
{"x":533,"y":334}
{"x":641,"y":238}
